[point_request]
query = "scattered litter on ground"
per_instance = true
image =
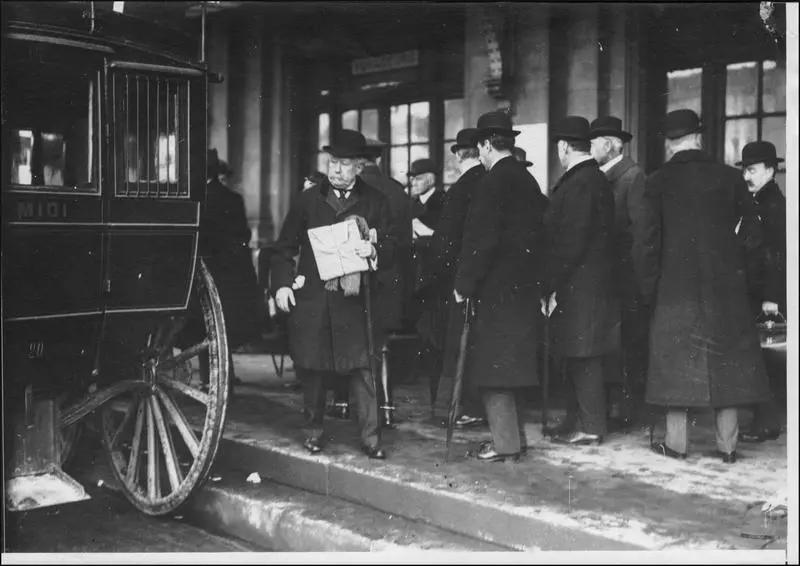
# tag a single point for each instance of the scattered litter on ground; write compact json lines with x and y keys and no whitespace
{"x":254,"y":478}
{"x":179,"y":517}
{"x":216,"y":478}
{"x":100,"y":483}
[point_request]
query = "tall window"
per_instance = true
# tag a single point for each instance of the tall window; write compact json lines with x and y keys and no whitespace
{"x":364,"y":121}
{"x":755,"y":107}
{"x":323,"y":139}
{"x":453,"y":123}
{"x":410,"y":136}
{"x":50,"y":138}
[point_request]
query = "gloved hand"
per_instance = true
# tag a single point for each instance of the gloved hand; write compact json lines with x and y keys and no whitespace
{"x":769,"y":307}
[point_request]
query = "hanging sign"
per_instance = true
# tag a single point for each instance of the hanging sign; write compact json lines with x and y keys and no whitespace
{"x":387,"y":62}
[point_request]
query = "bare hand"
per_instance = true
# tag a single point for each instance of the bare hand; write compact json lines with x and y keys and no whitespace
{"x":284,"y":297}
{"x":769,"y":307}
{"x":458,"y":297}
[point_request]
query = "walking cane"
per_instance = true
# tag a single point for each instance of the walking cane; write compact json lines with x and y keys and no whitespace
{"x":458,"y":381}
{"x":546,"y":369}
{"x":370,"y":336}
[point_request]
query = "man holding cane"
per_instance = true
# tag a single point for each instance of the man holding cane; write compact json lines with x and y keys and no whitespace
{"x":328,"y":332}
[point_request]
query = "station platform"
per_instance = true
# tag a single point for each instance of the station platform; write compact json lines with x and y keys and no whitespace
{"x":616,"y":496}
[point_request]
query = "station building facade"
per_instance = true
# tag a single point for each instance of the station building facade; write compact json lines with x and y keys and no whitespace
{"x":413,"y":74}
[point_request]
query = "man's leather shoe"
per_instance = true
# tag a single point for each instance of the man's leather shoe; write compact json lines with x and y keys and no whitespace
{"x":578,"y":438}
{"x":374,"y":452}
{"x":487,"y":453}
{"x":465,"y":421}
{"x":313,"y":445}
{"x":664,"y":450}
{"x":759,"y":435}
{"x":727,"y":457}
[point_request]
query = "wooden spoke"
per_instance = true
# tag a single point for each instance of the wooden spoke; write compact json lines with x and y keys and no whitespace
{"x":79,"y":410}
{"x":185,"y":355}
{"x":153,"y":479}
{"x":167,"y":448}
{"x":126,"y":419}
{"x":176,"y":416}
{"x":133,"y":461}
{"x":195,"y":394}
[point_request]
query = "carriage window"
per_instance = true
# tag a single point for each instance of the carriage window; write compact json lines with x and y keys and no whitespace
{"x":151,"y":133}
{"x":50,"y":138}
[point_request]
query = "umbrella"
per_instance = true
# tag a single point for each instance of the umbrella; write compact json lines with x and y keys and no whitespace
{"x":459,"y":377}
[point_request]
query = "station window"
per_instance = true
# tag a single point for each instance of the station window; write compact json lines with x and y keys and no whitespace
{"x":409,"y":137}
{"x":50,"y":139}
{"x":755,"y":107}
{"x":323,"y":139}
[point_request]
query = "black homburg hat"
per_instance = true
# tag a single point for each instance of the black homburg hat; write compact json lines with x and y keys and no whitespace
{"x":609,"y":126}
{"x":421,"y":166}
{"x":348,"y":143}
{"x":496,"y":122}
{"x":466,"y":138}
{"x":571,"y":128}
{"x":679,"y":123}
{"x":521,"y":156}
{"x":759,"y":152}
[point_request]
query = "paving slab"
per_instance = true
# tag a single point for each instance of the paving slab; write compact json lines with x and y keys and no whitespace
{"x":619,"y":495}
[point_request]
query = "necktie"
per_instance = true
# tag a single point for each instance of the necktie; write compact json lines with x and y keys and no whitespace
{"x":342,"y":195}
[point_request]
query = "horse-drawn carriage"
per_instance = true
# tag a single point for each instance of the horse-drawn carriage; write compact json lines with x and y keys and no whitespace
{"x":109,"y":311}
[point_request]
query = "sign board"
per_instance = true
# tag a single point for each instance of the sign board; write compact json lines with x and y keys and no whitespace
{"x":387,"y":62}
{"x":533,"y":139}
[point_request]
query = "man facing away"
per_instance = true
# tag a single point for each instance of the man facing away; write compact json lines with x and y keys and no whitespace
{"x":704,"y":348}
{"x":625,"y":370}
{"x":759,"y":164}
{"x":327,"y":327}
{"x":445,"y":252}
{"x":499,"y":271}
{"x":584,"y":325}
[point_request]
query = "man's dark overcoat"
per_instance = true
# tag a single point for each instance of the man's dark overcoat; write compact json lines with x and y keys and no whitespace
{"x":704,"y":348}
{"x":327,"y":331}
{"x":428,"y":309}
{"x":580,"y":264}
{"x":771,"y":209}
{"x":499,"y":268}
{"x":224,"y":237}
{"x":627,"y":184}
{"x":445,"y":250}
{"x":395,"y":285}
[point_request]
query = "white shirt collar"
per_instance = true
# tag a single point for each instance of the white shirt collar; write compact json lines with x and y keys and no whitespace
{"x":423,"y":198}
{"x":586,"y":158}
{"x":607,"y":167}
{"x":346,"y":191}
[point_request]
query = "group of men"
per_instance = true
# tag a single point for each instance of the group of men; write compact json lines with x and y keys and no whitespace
{"x":634,"y":282}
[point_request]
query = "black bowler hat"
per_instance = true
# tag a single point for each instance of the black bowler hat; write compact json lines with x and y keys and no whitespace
{"x":759,"y":152}
{"x":571,"y":128}
{"x":679,"y":123}
{"x":521,"y":156}
{"x":466,"y":138}
{"x":348,"y":143}
{"x":495,"y":122}
{"x":373,"y":148}
{"x":609,"y":126}
{"x":421,"y":166}
{"x":212,"y":163}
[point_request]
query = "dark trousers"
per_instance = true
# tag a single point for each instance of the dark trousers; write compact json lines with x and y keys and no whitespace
{"x":504,"y":411}
{"x":626,"y":370}
{"x":586,"y":402}
{"x":362,"y":393}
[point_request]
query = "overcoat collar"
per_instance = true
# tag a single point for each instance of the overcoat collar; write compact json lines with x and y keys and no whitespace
{"x":768,"y":190}
{"x":579,"y":167}
{"x":619,"y":168}
{"x":473,"y":171}
{"x":326,"y":193}
{"x":688,"y":155}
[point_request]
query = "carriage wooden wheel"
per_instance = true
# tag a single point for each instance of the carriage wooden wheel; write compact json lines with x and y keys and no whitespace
{"x":152,"y":435}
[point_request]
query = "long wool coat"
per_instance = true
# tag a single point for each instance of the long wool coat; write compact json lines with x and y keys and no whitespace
{"x":704,"y":348}
{"x":327,"y":331}
{"x":395,"y":287}
{"x":224,"y":237}
{"x":580,"y":264}
{"x":771,"y":208}
{"x":500,"y":269}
